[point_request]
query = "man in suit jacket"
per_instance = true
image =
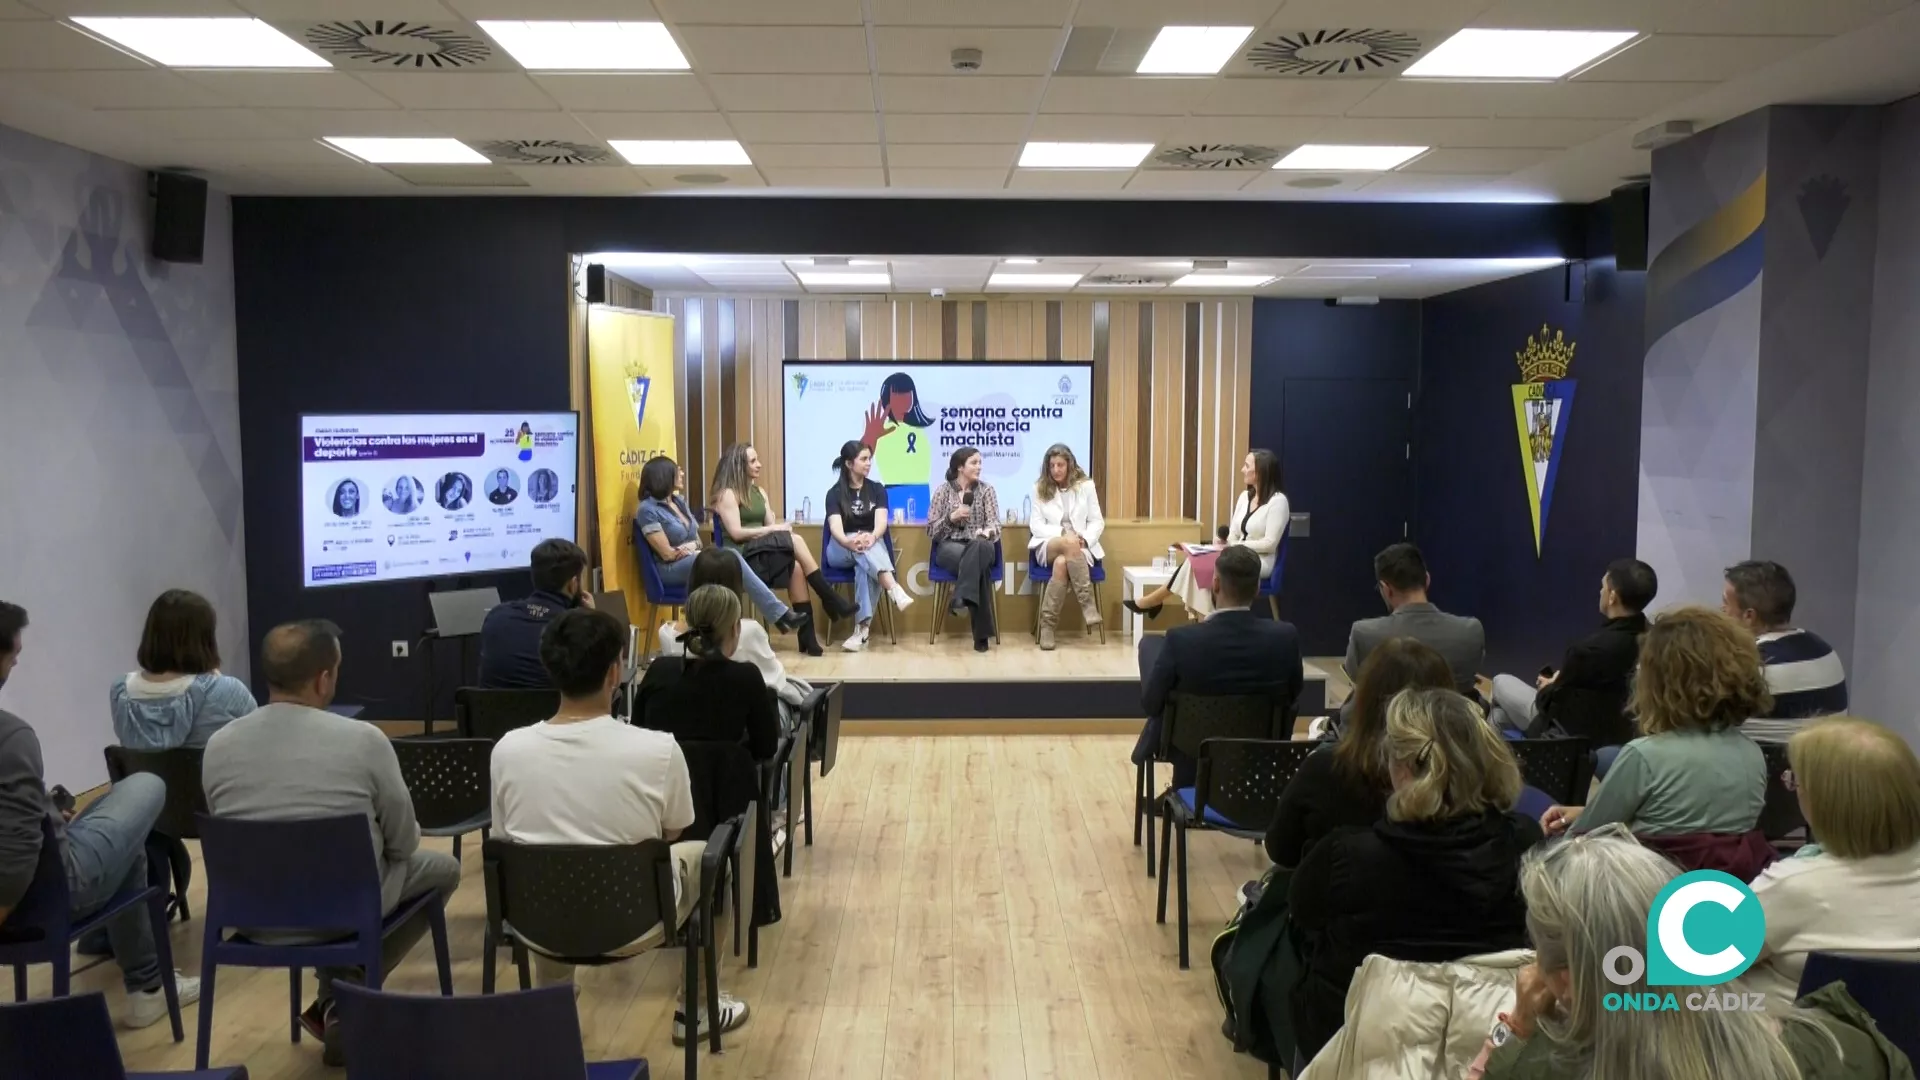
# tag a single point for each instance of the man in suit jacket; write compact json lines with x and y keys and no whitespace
{"x":1403,"y":581}
{"x":1232,"y":651}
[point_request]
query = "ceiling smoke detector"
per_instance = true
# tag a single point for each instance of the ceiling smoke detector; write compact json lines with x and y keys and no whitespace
{"x":967,"y":59}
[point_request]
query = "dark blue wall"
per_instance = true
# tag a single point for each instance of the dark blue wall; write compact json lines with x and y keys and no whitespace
{"x":1470,"y":515}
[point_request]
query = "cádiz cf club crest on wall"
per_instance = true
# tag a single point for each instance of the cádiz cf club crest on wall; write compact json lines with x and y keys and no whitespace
{"x":1540,"y":407}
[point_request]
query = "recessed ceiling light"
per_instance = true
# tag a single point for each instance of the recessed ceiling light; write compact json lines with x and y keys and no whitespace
{"x":205,"y":43}
{"x":1344,"y":268}
{"x":1003,"y":280}
{"x":1223,"y":281}
{"x":831,"y":260}
{"x":588,"y":46}
{"x":1516,"y":54}
{"x":1192,"y":50}
{"x":409,"y":151}
{"x":1020,"y":261}
{"x":1305,"y":276}
{"x":1083,"y":155}
{"x":1329,"y":157}
{"x":1525,"y":262}
{"x":681,"y":151}
{"x":857,"y":280}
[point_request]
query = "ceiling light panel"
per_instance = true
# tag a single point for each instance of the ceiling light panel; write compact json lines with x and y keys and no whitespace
{"x":205,"y":43}
{"x":681,"y":151}
{"x":1083,"y":155}
{"x":1329,"y":157}
{"x":1516,"y":54}
{"x":1003,"y":279}
{"x":1222,"y":281}
{"x":409,"y":151}
{"x":820,"y":279}
{"x":1192,"y":50}
{"x":588,"y":46}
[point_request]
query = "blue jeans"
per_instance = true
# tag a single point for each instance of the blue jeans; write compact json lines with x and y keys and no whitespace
{"x":872,"y":563}
{"x":680,"y":572}
{"x":106,"y":854}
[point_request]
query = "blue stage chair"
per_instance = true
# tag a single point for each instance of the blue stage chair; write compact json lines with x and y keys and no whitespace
{"x":42,"y":929}
{"x":525,"y":1035}
{"x":837,"y":576}
{"x":1888,"y":989}
{"x":943,"y":583}
{"x":659,"y":595}
{"x":314,"y":874}
{"x":73,"y":1037}
{"x":1040,"y":573}
{"x":1270,"y":588}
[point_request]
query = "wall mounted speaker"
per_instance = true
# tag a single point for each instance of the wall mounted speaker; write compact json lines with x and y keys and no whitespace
{"x":179,"y":216}
{"x":596,"y":283}
{"x":1629,"y":206}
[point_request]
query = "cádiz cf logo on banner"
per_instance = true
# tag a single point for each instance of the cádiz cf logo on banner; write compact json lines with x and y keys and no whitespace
{"x":1540,"y":406}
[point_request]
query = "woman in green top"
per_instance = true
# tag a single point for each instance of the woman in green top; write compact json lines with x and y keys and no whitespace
{"x":775,"y":553}
{"x":1588,"y":896}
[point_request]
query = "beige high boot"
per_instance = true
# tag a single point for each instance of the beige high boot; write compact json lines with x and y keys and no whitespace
{"x":1050,"y":604}
{"x":1083,"y":589}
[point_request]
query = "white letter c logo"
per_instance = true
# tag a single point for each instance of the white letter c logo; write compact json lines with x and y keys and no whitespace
{"x":1673,"y":937}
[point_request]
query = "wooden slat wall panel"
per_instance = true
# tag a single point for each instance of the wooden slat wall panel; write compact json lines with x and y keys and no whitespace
{"x":1124,"y":437}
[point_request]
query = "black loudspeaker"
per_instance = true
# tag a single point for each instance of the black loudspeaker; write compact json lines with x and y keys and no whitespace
{"x":596,"y":283}
{"x":179,"y":217}
{"x":1629,"y":206}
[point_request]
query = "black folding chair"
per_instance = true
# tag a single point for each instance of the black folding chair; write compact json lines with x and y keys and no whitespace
{"x":1236,"y":790}
{"x":1189,"y":720}
{"x":489,"y":714}
{"x":1780,"y":819}
{"x":1561,"y":768}
{"x":180,"y":769}
{"x":450,"y":781}
{"x":1888,"y":988}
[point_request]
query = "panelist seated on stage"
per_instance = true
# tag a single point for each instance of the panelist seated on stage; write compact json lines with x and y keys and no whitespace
{"x":510,"y":636}
{"x":1402,"y":579}
{"x":1260,"y":519}
{"x":709,"y":696}
{"x":665,"y":530}
{"x":857,"y":524}
{"x":1064,"y":534}
{"x":1587,"y":696}
{"x":963,"y":524}
{"x":775,"y":553}
{"x":1233,"y":651}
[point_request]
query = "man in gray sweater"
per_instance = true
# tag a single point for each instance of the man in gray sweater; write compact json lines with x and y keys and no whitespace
{"x":292,"y":760}
{"x":103,"y":849}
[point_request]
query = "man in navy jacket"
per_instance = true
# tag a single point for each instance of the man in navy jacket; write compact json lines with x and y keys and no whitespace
{"x":510,"y":638}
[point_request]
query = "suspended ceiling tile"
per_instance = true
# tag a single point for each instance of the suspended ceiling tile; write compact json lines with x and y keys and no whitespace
{"x":851,"y":127}
{"x":1126,"y":94}
{"x":291,"y":89}
{"x":952,"y":155}
{"x":967,"y":94}
{"x":797,"y":177}
{"x":954,"y":128}
{"x":460,"y":90}
{"x":815,"y":155}
{"x":627,"y":92}
{"x":720,"y":50}
{"x":659,"y":125}
{"x":1015,"y":13}
{"x":793,"y":93}
{"x":948,"y":179}
{"x":921,"y":50}
{"x":1285,"y":97}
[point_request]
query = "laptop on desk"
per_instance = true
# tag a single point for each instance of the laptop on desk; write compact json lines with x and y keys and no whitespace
{"x":460,"y":612}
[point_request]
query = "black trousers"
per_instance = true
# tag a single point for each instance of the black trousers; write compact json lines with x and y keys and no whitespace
{"x":971,"y":562}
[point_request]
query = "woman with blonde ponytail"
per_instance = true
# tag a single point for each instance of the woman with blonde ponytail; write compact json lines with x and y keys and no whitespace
{"x":1436,"y":880}
{"x":709,"y":696}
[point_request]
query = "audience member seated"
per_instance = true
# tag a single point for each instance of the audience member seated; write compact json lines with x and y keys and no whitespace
{"x":1233,"y":651}
{"x":510,"y":636}
{"x":1592,"y":895}
{"x":1403,"y":580}
{"x":1857,"y":889}
{"x":178,"y":697}
{"x":710,"y":696}
{"x":1804,"y":674}
{"x":584,"y":777}
{"x":1587,"y":697}
{"x":292,"y":760}
{"x":1346,"y":783}
{"x":103,"y":848}
{"x":1692,"y":784}
{"x":666,"y":528}
{"x":1437,"y":880}
{"x":719,"y":566}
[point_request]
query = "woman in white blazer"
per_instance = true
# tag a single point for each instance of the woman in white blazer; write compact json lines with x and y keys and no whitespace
{"x":1065,"y":528}
{"x":1260,"y":518}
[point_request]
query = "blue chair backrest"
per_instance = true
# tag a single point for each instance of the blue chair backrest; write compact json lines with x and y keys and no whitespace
{"x":1888,"y":989}
{"x":1279,"y":567}
{"x":60,"y":1037}
{"x":305,"y":874}
{"x":46,"y":909}
{"x":523,"y":1035}
{"x":650,"y":579}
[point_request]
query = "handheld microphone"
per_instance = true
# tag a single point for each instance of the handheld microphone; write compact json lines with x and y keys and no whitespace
{"x":966,"y":498}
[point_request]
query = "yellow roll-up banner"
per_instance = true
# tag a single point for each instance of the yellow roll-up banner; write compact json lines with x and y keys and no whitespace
{"x":630,"y":364}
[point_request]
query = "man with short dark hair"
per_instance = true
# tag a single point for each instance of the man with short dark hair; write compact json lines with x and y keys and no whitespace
{"x":584,"y":777}
{"x":1803,"y":672}
{"x":1231,"y":651}
{"x":103,"y":848}
{"x":291,"y":760}
{"x":1587,"y":697}
{"x":510,"y":636}
{"x":1401,"y":575}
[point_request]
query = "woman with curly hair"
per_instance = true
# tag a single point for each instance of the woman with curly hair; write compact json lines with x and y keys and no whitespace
{"x":1691,"y":772}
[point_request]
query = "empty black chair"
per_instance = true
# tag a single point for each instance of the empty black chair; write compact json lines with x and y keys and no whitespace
{"x":1780,"y":817}
{"x":1561,"y":768}
{"x":528,"y":1035}
{"x":1189,"y":720}
{"x":73,"y":1037}
{"x":1888,"y":989}
{"x":450,"y":782}
{"x":489,"y":714}
{"x":180,"y":768}
{"x":1236,"y":790}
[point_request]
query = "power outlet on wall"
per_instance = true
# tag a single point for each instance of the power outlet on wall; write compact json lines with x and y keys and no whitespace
{"x":399,"y":650}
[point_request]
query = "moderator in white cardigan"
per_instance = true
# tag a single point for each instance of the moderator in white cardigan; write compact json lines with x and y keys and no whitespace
{"x":1078,"y":506}
{"x":1263,"y":531}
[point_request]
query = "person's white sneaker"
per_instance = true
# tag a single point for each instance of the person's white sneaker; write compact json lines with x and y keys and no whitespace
{"x":149,"y":1007}
{"x":857,"y":640}
{"x":901,"y":598}
{"x":733,"y":1013}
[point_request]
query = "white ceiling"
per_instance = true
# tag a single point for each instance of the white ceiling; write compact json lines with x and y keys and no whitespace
{"x":858,"y":96}
{"x":775,"y":275}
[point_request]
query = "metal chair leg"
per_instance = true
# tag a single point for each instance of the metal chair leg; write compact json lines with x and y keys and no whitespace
{"x":1181,"y":873}
{"x":1098,"y":603}
{"x":1166,"y":840}
{"x":939,"y":611}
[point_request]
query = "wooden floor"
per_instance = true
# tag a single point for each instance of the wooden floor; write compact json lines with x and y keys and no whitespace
{"x":971,"y":907}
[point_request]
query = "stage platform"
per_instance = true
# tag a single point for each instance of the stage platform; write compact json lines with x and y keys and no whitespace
{"x":947,"y":681}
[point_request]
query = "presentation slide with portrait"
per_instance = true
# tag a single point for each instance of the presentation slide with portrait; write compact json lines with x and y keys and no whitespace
{"x":916,"y":414}
{"x":390,"y":497}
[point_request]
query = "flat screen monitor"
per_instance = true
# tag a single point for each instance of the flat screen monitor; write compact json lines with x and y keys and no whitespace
{"x":390,"y":497}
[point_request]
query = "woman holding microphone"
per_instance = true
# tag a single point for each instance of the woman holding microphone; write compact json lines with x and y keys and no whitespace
{"x":1260,"y":517}
{"x":963,"y":523}
{"x":857,"y":528}
{"x":1065,"y":527}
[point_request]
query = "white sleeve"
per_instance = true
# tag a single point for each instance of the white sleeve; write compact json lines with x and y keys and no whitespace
{"x":755,"y":649}
{"x":1038,"y":527}
{"x":1273,"y":525}
{"x":1096,"y":524}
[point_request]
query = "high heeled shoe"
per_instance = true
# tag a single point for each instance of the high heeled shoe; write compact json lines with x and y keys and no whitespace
{"x":1150,"y":613}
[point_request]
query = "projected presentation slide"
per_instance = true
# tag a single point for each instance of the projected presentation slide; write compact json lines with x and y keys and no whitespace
{"x":390,"y":497}
{"x":915,"y":415}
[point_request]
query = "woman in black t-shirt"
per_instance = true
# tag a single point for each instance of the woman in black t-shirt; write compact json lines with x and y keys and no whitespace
{"x":856,"y":537}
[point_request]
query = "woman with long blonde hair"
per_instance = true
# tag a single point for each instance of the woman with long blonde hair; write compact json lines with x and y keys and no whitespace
{"x":775,"y":553}
{"x":1065,"y":527}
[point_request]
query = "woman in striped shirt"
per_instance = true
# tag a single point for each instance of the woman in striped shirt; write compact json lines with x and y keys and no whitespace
{"x":963,"y":523}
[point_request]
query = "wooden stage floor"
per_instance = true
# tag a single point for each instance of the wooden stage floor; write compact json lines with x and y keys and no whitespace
{"x":973,"y":907}
{"x":1015,"y":659}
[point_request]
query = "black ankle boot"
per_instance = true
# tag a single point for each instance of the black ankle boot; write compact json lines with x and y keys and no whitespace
{"x":837,"y":606}
{"x":804,"y":633}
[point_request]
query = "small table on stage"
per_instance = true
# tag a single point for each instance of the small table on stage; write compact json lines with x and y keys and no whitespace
{"x":1135,"y":582}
